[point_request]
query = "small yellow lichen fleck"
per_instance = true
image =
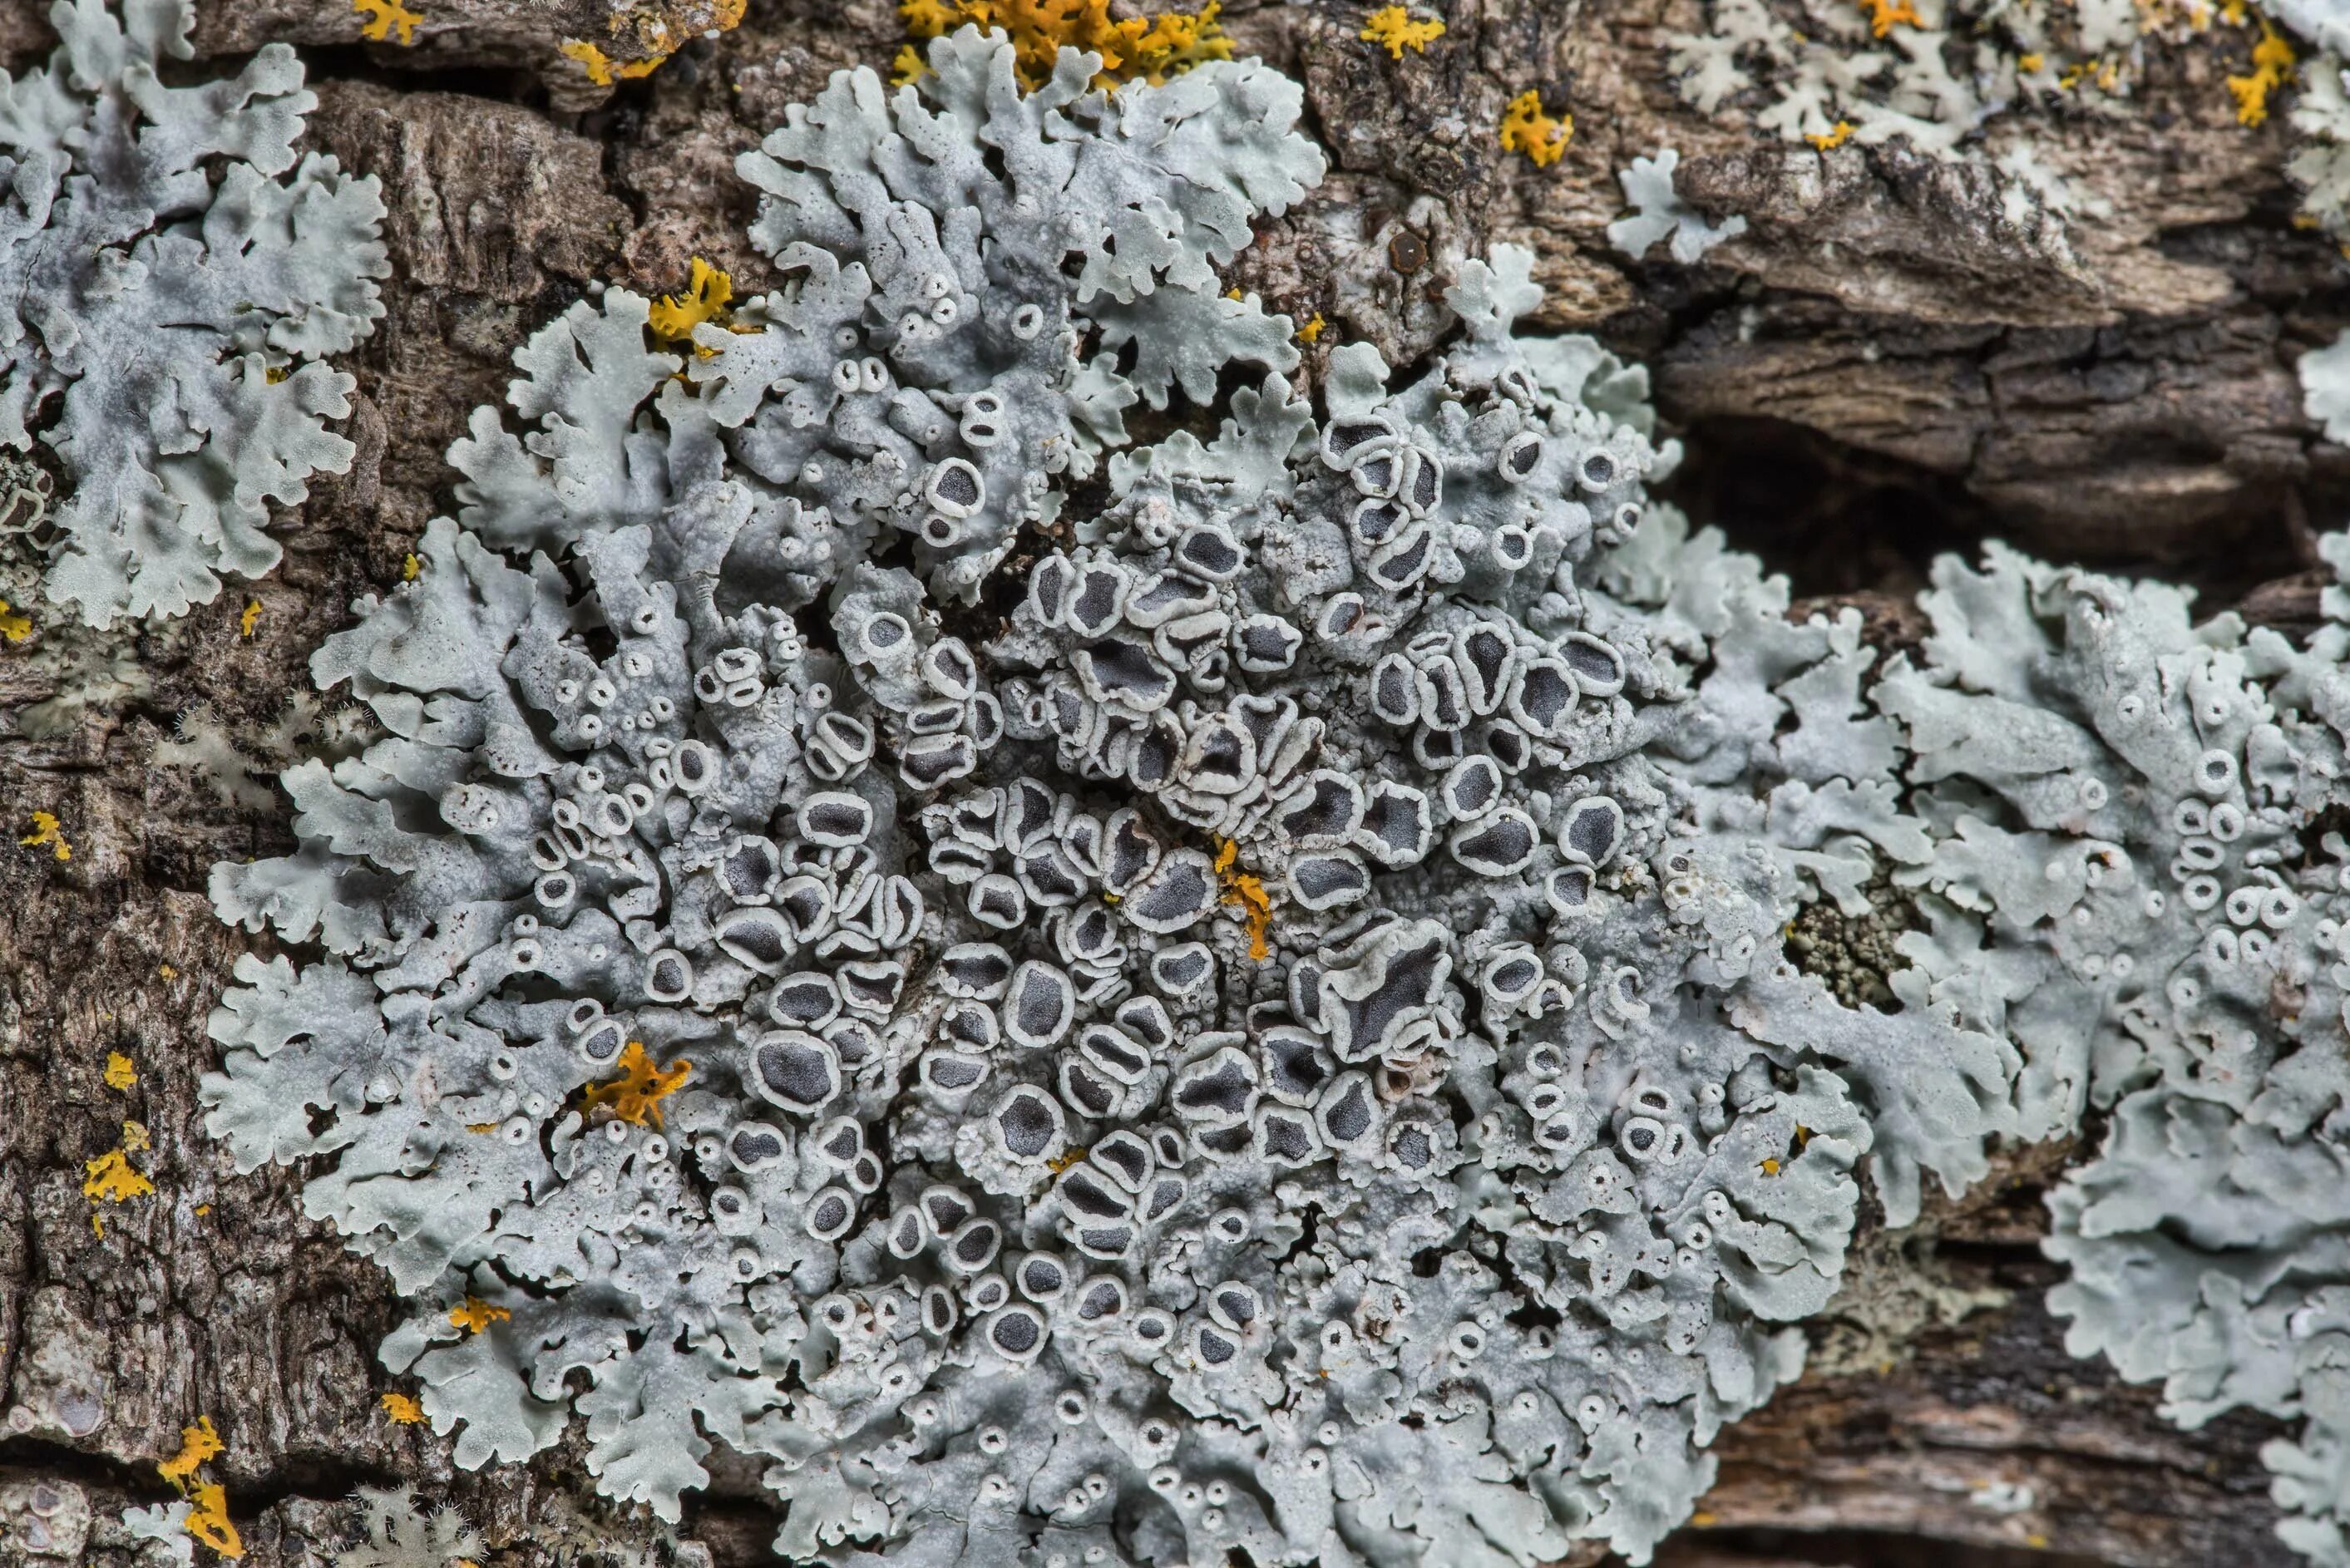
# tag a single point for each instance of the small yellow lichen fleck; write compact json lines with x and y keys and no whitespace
{"x":46,"y":831}
{"x":1312,"y":331}
{"x":636,"y":1095}
{"x":112,"y":1177}
{"x":1066,"y":1159}
{"x":1834,"y":139}
{"x":480,"y":1126}
{"x":1701,"y":1519}
{"x":410,"y":568}
{"x":203,"y":1209}
{"x":197,"y":1443}
{"x":907,"y":67}
{"x":1770,"y":1168}
{"x":403,"y":1408}
{"x":2029,"y":64}
{"x":477,"y":1315}
{"x":121,"y":1073}
{"x":208,"y":1520}
{"x":136,"y":1138}
{"x":15,"y":626}
{"x":1393,"y":27}
{"x":673,"y":317}
{"x":1526,"y":128}
{"x":1246,"y":891}
{"x":250,"y":618}
{"x":382,"y":18}
{"x":167,"y":972}
{"x":1884,"y":13}
{"x":2271,"y":68}
{"x":2037,"y":1542}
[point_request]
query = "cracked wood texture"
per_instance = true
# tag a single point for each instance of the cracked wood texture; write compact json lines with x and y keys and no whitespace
{"x":1878,"y":368}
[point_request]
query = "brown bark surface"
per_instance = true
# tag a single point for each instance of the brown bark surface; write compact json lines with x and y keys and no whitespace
{"x":1881,"y":367}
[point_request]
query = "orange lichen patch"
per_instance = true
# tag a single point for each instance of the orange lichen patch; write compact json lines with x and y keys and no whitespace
{"x":197,"y":1443}
{"x":1834,"y":139}
{"x":636,"y":1095}
{"x":906,"y":66}
{"x":208,"y":1520}
{"x":1246,"y":891}
{"x":1882,"y":14}
{"x":410,"y":570}
{"x":673,"y":317}
{"x":1526,"y":128}
{"x":1312,"y":331}
{"x":1702,"y":1519}
{"x":2029,"y":64}
{"x":112,"y":1177}
{"x":477,"y":1315}
{"x":403,"y":1408}
{"x":250,"y":618}
{"x":600,"y":69}
{"x":382,"y":18}
{"x":1150,"y":48}
{"x":1770,"y":1168}
{"x":46,"y":831}
{"x":121,"y":1073}
{"x":15,"y":626}
{"x":1392,"y":27}
{"x":2271,"y":68}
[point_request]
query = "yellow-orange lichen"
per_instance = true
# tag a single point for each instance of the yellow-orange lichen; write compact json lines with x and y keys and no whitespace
{"x":197,"y":1443}
{"x":635,"y":1095}
{"x":1392,"y":29}
{"x":2271,"y":68}
{"x":385,"y":17}
{"x":708,"y":292}
{"x":208,"y":1520}
{"x":477,"y":1315}
{"x":112,"y":1177}
{"x":1882,"y":14}
{"x":1241,"y":888}
{"x":1526,"y":128}
{"x":45,"y":831}
{"x":1149,"y":49}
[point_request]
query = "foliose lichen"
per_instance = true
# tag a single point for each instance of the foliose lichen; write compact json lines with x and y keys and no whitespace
{"x":1129,"y":1003}
{"x":2140,"y":879}
{"x":174,"y":277}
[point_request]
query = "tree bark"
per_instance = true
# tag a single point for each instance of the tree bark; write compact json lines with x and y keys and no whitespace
{"x":1880,"y":369}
